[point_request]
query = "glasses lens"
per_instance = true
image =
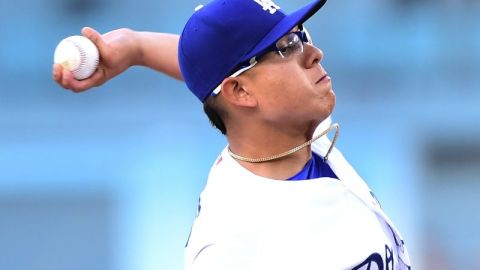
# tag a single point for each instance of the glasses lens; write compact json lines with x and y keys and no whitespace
{"x":290,"y":44}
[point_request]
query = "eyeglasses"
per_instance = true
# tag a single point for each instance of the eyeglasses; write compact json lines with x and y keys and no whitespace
{"x":287,"y":46}
{"x":292,"y":43}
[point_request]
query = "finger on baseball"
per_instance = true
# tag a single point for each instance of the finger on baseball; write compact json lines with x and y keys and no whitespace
{"x":83,"y":85}
{"x":69,"y":82}
{"x":59,"y":75}
{"x":66,"y":79}
{"x":57,"y":72}
{"x":96,"y":79}
{"x":95,"y":37}
{"x":74,"y":84}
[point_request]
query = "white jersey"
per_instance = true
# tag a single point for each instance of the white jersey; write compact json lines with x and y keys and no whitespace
{"x":248,"y":222}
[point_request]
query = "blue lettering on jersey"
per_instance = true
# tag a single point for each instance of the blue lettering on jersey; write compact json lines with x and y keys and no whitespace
{"x":375,"y":261}
{"x":389,"y":258}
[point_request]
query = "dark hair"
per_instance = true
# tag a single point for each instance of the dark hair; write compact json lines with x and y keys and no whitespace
{"x":215,"y":113}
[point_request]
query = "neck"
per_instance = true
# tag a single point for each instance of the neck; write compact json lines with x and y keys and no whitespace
{"x":262,"y":141}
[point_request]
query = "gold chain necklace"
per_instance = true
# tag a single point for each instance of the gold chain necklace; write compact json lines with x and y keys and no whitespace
{"x":293,"y":150}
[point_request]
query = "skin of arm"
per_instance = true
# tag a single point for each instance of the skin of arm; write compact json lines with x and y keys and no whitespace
{"x":159,"y":52}
{"x":121,"y":49}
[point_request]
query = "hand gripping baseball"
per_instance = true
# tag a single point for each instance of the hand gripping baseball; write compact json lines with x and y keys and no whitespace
{"x":117,"y":52}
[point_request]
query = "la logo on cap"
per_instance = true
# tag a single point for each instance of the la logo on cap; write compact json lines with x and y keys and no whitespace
{"x":268,"y":5}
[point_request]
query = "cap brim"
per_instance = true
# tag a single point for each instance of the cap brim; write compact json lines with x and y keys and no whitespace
{"x":285,"y":26}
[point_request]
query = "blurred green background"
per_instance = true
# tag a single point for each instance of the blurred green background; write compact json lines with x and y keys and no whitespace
{"x":109,"y":179}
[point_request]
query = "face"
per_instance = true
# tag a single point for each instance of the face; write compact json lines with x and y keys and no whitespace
{"x":292,"y":92}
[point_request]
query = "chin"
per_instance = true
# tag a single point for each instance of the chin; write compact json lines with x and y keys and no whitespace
{"x":327,"y":106}
{"x":331,"y":104}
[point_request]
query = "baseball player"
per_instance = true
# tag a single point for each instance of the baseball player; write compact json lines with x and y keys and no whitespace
{"x":280,"y":195}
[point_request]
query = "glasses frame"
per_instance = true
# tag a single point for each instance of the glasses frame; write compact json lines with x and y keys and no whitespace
{"x":304,"y":37}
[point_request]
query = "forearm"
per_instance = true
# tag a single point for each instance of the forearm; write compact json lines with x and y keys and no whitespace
{"x":159,"y":52}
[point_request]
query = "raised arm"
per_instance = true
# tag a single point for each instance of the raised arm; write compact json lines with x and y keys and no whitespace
{"x":121,"y":49}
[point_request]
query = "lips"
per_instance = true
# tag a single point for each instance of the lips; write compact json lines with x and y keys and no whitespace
{"x":324,"y":78}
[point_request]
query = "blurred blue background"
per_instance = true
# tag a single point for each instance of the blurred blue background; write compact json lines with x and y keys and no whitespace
{"x":109,"y":179}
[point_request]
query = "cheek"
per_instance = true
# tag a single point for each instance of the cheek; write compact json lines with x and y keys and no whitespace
{"x":285,"y":80}
{"x":280,"y":89}
{"x":280,"y":92}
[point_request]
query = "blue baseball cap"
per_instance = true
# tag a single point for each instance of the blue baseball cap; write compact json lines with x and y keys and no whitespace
{"x":226,"y":33}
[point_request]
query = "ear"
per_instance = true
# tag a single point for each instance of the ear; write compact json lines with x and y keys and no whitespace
{"x":235,"y":91}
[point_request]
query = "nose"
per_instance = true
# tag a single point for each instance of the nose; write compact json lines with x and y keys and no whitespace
{"x":313,"y":55}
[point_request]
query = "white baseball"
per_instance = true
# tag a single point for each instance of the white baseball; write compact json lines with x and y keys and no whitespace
{"x":77,"y":54}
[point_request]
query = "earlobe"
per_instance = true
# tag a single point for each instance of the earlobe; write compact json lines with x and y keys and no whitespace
{"x":235,"y":92}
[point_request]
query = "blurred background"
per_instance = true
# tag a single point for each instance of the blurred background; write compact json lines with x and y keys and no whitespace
{"x":109,"y":179}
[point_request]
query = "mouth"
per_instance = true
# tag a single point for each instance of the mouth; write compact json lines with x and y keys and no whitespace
{"x":324,"y":78}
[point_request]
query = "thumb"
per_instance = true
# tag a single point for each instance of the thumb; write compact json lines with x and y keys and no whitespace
{"x":96,"y":38}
